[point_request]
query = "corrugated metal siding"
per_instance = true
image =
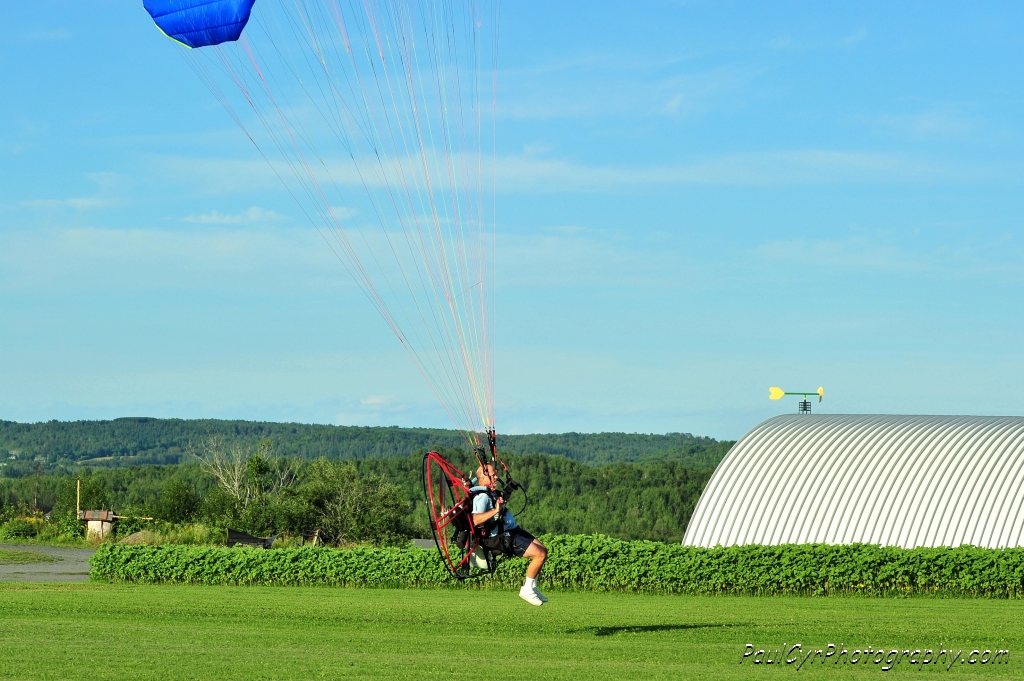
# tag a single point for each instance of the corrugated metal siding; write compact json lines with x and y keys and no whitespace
{"x":891,"y":480}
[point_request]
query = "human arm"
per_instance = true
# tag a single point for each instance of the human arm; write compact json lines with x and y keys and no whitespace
{"x":485,"y":510}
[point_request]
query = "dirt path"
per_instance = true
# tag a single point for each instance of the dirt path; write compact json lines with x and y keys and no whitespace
{"x":72,"y":565}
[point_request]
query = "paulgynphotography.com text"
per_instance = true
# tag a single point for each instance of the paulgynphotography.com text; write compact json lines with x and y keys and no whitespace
{"x":797,"y":655}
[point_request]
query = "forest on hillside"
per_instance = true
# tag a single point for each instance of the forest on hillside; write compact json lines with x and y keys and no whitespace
{"x":64,"y":445}
{"x":652,"y":500}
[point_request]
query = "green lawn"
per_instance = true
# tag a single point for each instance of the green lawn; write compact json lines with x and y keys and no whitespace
{"x":59,"y":542}
{"x":16,"y":557}
{"x":101,"y":631}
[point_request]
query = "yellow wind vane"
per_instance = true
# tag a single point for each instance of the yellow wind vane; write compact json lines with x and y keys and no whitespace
{"x":775,"y":393}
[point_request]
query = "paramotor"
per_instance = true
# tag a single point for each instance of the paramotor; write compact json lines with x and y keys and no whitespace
{"x":449,"y":494}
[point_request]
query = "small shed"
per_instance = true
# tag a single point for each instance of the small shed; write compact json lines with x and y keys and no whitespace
{"x":100,"y":523}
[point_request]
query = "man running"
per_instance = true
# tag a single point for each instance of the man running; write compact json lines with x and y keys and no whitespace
{"x":504,"y":534}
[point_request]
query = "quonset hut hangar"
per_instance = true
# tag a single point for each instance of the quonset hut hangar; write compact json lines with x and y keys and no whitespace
{"x":903,"y":481}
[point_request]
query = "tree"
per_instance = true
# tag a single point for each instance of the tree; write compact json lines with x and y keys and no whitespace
{"x":349,"y":508}
{"x":179,"y":502}
{"x":228,"y":464}
{"x":245,"y":472}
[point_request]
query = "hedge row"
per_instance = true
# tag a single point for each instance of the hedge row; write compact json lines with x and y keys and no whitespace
{"x":596,"y":563}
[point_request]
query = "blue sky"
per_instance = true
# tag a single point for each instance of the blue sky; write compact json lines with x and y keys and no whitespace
{"x":696,"y":201}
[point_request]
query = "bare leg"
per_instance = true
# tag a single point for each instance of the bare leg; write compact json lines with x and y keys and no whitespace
{"x":537,"y":555}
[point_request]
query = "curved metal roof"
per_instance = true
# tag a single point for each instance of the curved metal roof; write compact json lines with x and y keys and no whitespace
{"x":892,"y":480}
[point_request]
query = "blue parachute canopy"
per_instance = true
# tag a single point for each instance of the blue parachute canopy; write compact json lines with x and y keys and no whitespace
{"x":198,"y":23}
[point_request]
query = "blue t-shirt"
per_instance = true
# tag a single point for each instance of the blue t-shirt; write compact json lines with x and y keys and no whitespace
{"x":482,"y":503}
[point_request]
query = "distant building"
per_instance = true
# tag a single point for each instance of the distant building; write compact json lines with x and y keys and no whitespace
{"x":892,"y":480}
{"x":98,"y":523}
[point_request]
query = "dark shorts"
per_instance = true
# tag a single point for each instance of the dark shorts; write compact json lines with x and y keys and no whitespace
{"x":512,"y":543}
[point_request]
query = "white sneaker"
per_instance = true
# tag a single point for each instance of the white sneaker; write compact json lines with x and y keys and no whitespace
{"x":530,"y":596}
{"x":542,"y":597}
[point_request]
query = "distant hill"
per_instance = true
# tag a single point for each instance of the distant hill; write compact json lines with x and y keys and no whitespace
{"x":626,"y":500}
{"x":135,"y":441}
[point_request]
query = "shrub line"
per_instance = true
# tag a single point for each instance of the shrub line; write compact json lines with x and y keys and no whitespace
{"x":594,"y":563}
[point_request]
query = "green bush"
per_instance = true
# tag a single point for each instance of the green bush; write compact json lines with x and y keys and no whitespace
{"x":597,"y":563}
{"x":19,"y":528}
{"x":63,"y":525}
{"x":381,"y":567}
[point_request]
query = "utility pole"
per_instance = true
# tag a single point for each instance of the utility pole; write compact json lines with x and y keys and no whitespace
{"x":35,"y":493}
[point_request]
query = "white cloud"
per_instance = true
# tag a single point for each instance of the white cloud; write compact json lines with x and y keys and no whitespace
{"x":109,"y":185}
{"x":255,"y":214}
{"x":781,"y":43}
{"x":886,"y":254}
{"x":527,"y":173}
{"x":933,"y":124}
{"x":574,"y":256}
{"x":786,"y":42}
{"x":625,"y":87}
{"x":343,"y":213}
{"x":46,"y":35}
{"x":855,"y":37}
{"x":532,"y":172}
{"x":857,"y":253}
{"x":726,"y":87}
{"x":222,"y":258}
{"x":81,"y":203}
{"x":216,"y":176}
{"x":107,"y":180}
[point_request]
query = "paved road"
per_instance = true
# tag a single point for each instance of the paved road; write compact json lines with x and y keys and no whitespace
{"x":72,"y":565}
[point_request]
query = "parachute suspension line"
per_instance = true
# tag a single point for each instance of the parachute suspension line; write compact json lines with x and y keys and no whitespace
{"x":407,"y":231}
{"x":315,"y":41}
{"x":456,"y":227}
{"x":467,"y":163}
{"x":349,"y":266}
{"x":392,"y":248}
{"x":443,"y":271}
{"x":202,"y":71}
{"x":444,"y":282}
{"x":445,"y":268}
{"x":348,"y":247}
{"x":488,"y":345}
{"x":370,"y":112}
{"x":337,"y":231}
{"x":352,"y":263}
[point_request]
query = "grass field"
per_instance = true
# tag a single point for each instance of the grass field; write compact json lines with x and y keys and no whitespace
{"x":16,"y":557}
{"x":58,"y":542}
{"x":102,"y":631}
